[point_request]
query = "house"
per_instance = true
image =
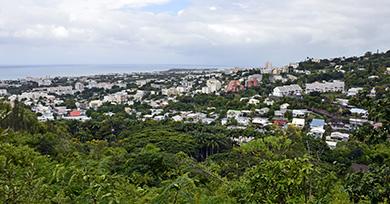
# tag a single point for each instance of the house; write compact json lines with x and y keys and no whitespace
{"x":290,"y":90}
{"x":159,"y":118}
{"x":233,"y":113}
{"x":269,"y":102}
{"x":355,"y":122}
{"x":75,"y":113}
{"x":95,"y":104}
{"x":335,"y":86}
{"x":275,"y":78}
{"x":177,"y":118}
{"x":207,"y":121}
{"x":279,"y":113}
{"x":214,"y":85}
{"x":260,"y":121}
{"x":337,"y":137}
{"x":244,"y":121}
{"x":280,"y":122}
{"x":241,"y":139}
{"x":360,"y":112}
{"x":298,"y":122}
{"x":262,"y":111}
{"x":299,"y":113}
{"x":354,"y":91}
{"x":253,"y":101}
{"x":317,"y":132}
{"x":284,"y":106}
{"x":46,"y":117}
{"x":331,"y":144}
{"x":317,"y":123}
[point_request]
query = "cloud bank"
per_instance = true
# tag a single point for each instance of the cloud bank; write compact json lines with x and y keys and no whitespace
{"x":234,"y":32}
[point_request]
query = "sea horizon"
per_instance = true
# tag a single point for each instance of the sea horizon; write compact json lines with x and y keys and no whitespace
{"x":14,"y":71}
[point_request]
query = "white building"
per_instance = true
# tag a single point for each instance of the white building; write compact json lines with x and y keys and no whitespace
{"x":354,"y":91}
{"x":79,"y":86}
{"x":290,"y":90}
{"x":95,"y":104}
{"x":3,"y":92}
{"x":260,"y":121}
{"x":335,"y":86}
{"x":337,"y":137}
{"x":317,"y":132}
{"x":214,"y":85}
{"x":301,"y":113}
{"x":298,"y":122}
{"x":253,"y":101}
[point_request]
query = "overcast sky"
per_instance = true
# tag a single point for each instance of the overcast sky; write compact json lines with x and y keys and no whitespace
{"x":220,"y":32}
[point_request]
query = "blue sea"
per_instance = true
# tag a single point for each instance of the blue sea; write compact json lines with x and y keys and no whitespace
{"x":12,"y":72}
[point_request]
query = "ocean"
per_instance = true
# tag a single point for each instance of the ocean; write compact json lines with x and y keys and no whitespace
{"x":13,"y":72}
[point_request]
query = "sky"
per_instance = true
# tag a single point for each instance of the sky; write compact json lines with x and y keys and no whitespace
{"x":210,"y":32}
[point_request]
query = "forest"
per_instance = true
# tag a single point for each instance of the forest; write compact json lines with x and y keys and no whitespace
{"x":117,"y":159}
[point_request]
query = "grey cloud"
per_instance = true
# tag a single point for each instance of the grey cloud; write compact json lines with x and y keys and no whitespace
{"x":208,"y":31}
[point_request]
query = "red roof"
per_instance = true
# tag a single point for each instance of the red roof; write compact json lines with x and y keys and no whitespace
{"x":280,"y":122}
{"x":75,"y":113}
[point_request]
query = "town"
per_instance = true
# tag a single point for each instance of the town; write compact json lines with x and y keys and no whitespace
{"x":319,"y":97}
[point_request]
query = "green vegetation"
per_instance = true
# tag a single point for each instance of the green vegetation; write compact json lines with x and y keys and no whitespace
{"x":119,"y":160}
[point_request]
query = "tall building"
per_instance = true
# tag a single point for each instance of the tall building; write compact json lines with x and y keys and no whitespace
{"x":234,"y":86}
{"x":214,"y":85}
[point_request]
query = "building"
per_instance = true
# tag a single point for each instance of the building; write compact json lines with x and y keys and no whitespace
{"x":298,"y":122}
{"x":79,"y":86}
{"x":95,"y":104}
{"x":317,"y":132}
{"x":234,"y":86}
{"x":214,"y":85}
{"x":337,"y":137}
{"x":335,"y":86}
{"x":263,"y":122}
{"x":301,"y":113}
{"x":75,"y":113}
{"x":289,"y":90}
{"x":360,"y":112}
{"x":3,"y":92}
{"x":354,"y":91}
{"x":254,"y":80}
{"x":317,"y":123}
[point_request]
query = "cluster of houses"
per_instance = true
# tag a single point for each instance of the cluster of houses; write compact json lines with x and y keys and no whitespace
{"x":157,"y":92}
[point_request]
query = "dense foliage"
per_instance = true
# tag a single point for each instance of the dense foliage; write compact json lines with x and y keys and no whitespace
{"x":119,"y":160}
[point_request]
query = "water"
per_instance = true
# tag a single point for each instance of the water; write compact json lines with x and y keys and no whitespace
{"x":23,"y":71}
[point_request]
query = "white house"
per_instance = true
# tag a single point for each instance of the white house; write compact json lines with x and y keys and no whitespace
{"x":354,"y":91}
{"x":260,"y":121}
{"x":253,"y":101}
{"x":95,"y":104}
{"x":337,"y":137}
{"x":290,"y":90}
{"x":317,"y":132}
{"x":299,"y":113}
{"x":361,"y":112}
{"x":298,"y":122}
